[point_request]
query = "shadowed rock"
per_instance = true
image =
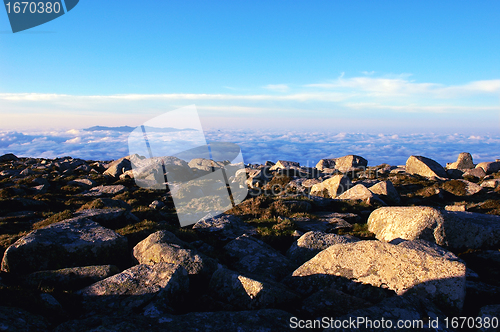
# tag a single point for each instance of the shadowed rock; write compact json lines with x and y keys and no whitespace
{"x":137,"y":286}
{"x":69,"y":243}
{"x":255,"y":257}
{"x":246,"y":292}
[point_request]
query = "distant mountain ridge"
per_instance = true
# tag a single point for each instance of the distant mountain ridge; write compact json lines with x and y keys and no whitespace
{"x":128,"y":129}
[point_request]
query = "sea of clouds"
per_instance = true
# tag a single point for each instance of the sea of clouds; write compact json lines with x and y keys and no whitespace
{"x":258,"y":146}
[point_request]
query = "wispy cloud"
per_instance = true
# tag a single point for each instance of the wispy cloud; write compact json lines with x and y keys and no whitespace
{"x":277,"y":87}
{"x":355,"y":98}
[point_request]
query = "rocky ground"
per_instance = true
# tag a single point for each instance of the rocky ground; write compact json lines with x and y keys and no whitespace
{"x":85,"y":249}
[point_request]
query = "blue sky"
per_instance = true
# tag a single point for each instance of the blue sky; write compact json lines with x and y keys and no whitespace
{"x":387,"y":66}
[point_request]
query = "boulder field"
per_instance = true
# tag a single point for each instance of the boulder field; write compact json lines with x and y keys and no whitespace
{"x":85,"y":246}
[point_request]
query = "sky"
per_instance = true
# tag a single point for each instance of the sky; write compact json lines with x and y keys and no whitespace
{"x":377,"y":67}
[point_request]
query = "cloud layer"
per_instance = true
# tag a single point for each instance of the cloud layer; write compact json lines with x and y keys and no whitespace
{"x":257,"y":146}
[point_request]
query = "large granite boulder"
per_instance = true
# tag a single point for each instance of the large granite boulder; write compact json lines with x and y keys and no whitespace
{"x":332,"y":187}
{"x":255,"y":257}
{"x":137,"y":286}
{"x":71,"y":278}
{"x":461,"y":187}
{"x":489,"y":167}
{"x":348,"y":163}
{"x":311,"y":243}
{"x":165,"y":247}
{"x":283,"y":164}
{"x":386,"y":191}
{"x":69,"y":243}
{"x":245,"y":292}
{"x":454,"y":229}
{"x":118,"y":167}
{"x":360,"y":193}
{"x":326,"y":165}
{"x":464,"y":161}
{"x":398,"y":268}
{"x":424,"y":167}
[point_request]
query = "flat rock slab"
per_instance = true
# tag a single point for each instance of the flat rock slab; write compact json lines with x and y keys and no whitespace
{"x":69,"y":243}
{"x":246,"y":292}
{"x":255,"y":257}
{"x":456,"y":230}
{"x":311,"y":243}
{"x":72,"y":278}
{"x":135,"y":287}
{"x":400,"y":269}
{"x":106,"y":190}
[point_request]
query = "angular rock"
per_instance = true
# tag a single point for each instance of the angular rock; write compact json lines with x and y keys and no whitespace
{"x":255,"y":257}
{"x":360,"y":193}
{"x":347,"y":163}
{"x":283,"y":164}
{"x":311,"y":243}
{"x":326,"y":165}
{"x":492,"y":183}
{"x":137,"y":286}
{"x":248,"y":293}
{"x":424,"y":167}
{"x":386,"y":191}
{"x":224,"y":227}
{"x":461,"y":187}
{"x":464,"y":161}
{"x":475,"y":172}
{"x":165,"y":247}
{"x":118,"y":167}
{"x":69,"y":243}
{"x":397,"y":268}
{"x":489,"y":167}
{"x":72,"y":278}
{"x":334,"y":186}
{"x":457,"y":230}
{"x":84,"y":183}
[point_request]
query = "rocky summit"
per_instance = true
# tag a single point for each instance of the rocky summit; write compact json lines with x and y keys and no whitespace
{"x":86,"y":247}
